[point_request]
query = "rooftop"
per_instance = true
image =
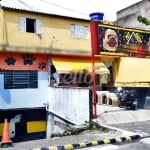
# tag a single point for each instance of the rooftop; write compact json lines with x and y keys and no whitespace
{"x":43,"y":7}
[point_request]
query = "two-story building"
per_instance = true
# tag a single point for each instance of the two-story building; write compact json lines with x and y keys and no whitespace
{"x":46,"y":66}
{"x":128,"y":16}
{"x":43,"y":46}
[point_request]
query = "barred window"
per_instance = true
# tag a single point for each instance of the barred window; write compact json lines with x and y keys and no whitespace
{"x":16,"y":79}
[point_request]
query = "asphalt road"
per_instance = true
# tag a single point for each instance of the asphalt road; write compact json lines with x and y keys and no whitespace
{"x":142,"y":127}
{"x":135,"y":146}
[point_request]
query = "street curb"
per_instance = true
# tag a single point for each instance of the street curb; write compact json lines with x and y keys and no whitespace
{"x":92,"y":143}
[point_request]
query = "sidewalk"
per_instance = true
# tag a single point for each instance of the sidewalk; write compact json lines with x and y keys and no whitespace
{"x":88,"y":138}
{"x":115,"y":115}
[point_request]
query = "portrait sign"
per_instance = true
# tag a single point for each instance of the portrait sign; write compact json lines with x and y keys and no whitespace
{"x":116,"y":40}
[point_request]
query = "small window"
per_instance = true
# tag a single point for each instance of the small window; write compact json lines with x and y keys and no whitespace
{"x":79,"y":31}
{"x":30,"y":25}
{"x":16,"y":79}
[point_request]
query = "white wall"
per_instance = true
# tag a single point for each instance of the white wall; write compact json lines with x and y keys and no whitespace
{"x":24,"y":98}
{"x":71,"y":104}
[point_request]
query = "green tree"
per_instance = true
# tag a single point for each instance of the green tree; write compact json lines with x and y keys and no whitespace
{"x":143,"y":19}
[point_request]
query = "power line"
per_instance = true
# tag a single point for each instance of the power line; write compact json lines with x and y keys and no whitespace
{"x":47,"y":1}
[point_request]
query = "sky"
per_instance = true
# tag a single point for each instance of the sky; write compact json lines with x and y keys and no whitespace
{"x":108,"y":7}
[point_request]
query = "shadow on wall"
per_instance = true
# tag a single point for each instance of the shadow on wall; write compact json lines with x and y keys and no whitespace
{"x":4,"y":94}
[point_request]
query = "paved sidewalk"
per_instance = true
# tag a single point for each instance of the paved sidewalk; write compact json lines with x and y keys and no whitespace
{"x":116,"y":115}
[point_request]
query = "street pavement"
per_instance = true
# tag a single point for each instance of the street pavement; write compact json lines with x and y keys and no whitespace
{"x":94,"y":137}
{"x":115,"y":115}
{"x":85,"y":137}
{"x":141,"y":127}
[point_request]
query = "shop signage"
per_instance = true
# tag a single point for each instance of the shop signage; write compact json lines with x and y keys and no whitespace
{"x":116,"y":40}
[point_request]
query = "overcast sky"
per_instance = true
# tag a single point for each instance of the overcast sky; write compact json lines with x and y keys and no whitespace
{"x":108,"y":7}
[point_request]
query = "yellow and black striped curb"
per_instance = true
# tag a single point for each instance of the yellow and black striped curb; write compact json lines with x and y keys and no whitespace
{"x":92,"y":143}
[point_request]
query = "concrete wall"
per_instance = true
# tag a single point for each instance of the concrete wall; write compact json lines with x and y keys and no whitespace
{"x":71,"y":104}
{"x":128,"y":16}
{"x":66,"y":106}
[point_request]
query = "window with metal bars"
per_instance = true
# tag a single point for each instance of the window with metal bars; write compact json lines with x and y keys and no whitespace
{"x":18,"y":79}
